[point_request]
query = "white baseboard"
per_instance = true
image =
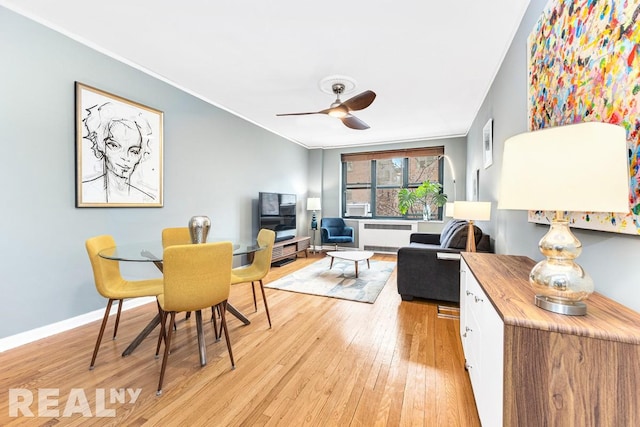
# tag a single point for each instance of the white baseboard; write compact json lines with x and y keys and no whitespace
{"x":55,"y":328}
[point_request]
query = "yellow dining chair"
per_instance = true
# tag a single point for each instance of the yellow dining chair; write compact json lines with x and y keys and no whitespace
{"x":195,"y":277}
{"x":111,"y":285}
{"x":258,"y":269}
{"x":175,"y":236}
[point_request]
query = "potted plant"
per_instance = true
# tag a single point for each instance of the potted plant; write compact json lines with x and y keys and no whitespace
{"x":427,"y":194}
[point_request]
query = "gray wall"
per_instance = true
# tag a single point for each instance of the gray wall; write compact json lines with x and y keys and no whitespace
{"x":610,"y":258}
{"x":214,"y":164}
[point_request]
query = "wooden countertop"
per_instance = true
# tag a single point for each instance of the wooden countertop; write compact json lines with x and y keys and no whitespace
{"x":505,"y":279}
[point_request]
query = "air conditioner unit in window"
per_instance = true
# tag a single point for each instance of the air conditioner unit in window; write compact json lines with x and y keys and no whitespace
{"x":357,"y":209}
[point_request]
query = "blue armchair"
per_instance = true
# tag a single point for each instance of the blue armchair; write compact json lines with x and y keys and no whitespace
{"x":334,"y":231}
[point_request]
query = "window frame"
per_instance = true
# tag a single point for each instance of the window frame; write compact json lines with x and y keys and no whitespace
{"x":373,"y":157}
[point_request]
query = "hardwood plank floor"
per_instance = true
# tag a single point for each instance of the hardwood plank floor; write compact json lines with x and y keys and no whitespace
{"x":325,"y":362}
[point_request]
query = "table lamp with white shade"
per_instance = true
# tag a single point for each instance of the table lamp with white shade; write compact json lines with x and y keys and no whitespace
{"x":573,"y":168}
{"x":472,"y":211}
{"x":449,"y":209}
{"x":313,"y":204}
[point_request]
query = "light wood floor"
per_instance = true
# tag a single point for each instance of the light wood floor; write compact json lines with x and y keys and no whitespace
{"x":325,"y":362}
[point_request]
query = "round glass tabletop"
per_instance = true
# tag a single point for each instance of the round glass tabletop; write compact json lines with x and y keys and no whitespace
{"x":152,"y":251}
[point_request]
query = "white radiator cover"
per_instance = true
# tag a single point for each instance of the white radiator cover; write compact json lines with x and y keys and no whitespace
{"x":385,"y":236}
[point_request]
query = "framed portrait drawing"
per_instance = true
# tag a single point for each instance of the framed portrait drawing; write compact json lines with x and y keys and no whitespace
{"x":487,"y":143}
{"x":118,"y":151}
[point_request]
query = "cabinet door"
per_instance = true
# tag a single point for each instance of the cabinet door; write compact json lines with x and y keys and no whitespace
{"x":491,"y":362}
{"x":463,"y":303}
{"x":470,"y":331}
{"x":484,"y":351}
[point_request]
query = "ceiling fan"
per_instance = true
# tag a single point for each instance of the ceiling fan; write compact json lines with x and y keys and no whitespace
{"x":342,"y":110}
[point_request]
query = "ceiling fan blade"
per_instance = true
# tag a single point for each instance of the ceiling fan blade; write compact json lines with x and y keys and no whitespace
{"x":354,"y":123}
{"x":360,"y":101}
{"x":300,"y":114}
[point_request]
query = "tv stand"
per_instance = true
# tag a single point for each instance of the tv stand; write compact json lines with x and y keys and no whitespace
{"x":282,"y":262}
{"x":289,"y":250}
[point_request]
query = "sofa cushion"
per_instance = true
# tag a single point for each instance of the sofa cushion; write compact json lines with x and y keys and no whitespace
{"x":423,"y":246}
{"x":454,"y":227}
{"x":459,"y":238}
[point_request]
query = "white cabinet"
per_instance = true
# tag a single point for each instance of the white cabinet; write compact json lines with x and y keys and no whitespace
{"x":530,"y":367}
{"x":482,"y":334}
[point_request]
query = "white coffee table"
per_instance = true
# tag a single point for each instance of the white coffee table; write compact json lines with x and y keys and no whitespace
{"x":355,"y":256}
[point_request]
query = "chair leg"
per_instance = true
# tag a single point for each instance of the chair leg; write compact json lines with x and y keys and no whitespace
{"x":255,"y":303}
{"x":167,"y":344}
{"x":99,"y":340}
{"x":202,"y":349}
{"x":115,"y":328}
{"x":163,"y":332}
{"x":215,"y":322}
{"x":188,"y":315}
{"x":266,"y":307}
{"x":223,"y":316}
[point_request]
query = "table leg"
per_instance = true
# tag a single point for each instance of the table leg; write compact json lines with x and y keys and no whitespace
{"x":231,"y":309}
{"x":201,"y":344}
{"x":331,"y":265}
{"x":156,"y":321}
{"x":368,"y":265}
{"x":147,"y":329}
{"x":159,"y":265}
{"x":356,"y":269}
{"x":142,"y":335}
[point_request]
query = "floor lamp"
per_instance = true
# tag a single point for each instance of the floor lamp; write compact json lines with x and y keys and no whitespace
{"x":472,"y":211}
{"x":313,"y":204}
{"x":448,"y":207}
{"x":574,"y":168}
{"x":453,"y":173}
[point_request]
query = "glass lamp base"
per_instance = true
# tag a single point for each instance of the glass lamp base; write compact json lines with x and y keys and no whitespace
{"x":571,"y":308}
{"x":559,"y":283}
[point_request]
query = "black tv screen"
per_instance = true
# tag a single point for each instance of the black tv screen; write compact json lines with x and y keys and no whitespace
{"x":277,"y":212}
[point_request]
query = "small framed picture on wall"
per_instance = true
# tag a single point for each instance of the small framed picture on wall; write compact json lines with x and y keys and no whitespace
{"x":487,"y":143}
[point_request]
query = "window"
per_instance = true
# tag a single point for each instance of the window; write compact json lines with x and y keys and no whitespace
{"x":371,"y":181}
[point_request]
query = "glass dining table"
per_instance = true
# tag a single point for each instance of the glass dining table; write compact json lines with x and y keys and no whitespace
{"x":152,"y":252}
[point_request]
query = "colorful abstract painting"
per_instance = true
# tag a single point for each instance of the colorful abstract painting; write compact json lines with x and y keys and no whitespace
{"x":584,"y":66}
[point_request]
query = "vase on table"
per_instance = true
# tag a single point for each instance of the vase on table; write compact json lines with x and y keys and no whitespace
{"x":426,"y":213}
{"x":199,"y":228}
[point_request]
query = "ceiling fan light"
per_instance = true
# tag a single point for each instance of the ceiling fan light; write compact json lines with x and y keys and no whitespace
{"x":338,"y":113}
{"x":338,"y":110}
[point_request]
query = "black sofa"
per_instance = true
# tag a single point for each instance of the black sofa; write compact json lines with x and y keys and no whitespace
{"x":421,"y":274}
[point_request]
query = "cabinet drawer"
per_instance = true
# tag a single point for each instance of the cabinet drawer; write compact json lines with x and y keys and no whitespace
{"x":289,"y":250}
{"x":302,"y":245}
{"x":277,"y":252}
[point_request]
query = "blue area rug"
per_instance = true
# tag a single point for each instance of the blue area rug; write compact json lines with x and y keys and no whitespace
{"x":340,"y":281}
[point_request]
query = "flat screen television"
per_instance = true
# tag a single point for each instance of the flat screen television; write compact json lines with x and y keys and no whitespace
{"x":277,"y":212}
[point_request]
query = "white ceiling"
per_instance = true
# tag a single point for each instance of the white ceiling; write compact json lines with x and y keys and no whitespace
{"x":429,"y":62}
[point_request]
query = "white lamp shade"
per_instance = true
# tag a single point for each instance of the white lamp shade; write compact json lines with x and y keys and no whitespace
{"x":449,"y":209}
{"x":475,"y":211}
{"x":579,"y":167}
{"x":313,"y":204}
